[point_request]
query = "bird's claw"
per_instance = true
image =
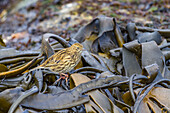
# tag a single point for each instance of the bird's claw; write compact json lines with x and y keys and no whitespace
{"x":62,"y":76}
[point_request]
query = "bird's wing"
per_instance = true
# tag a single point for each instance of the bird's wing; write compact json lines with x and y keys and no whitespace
{"x":55,"y":59}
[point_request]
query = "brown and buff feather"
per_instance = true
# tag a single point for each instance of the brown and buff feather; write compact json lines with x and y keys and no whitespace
{"x":64,"y":60}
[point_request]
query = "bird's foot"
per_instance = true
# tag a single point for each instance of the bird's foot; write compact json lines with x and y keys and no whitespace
{"x":62,"y":76}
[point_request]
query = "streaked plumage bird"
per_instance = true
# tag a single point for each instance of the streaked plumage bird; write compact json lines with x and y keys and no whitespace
{"x":64,"y":60}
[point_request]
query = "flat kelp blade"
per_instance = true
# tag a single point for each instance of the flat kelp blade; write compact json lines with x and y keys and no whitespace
{"x":141,"y":97}
{"x":88,"y":43}
{"x":11,"y":82}
{"x":135,"y":47}
{"x":118,"y":34}
{"x":104,"y":103}
{"x":8,"y":53}
{"x":98,"y":101}
{"x":46,"y":47}
{"x":3,"y":68}
{"x":92,"y":61}
{"x":155,"y":56}
{"x":70,"y":98}
{"x":163,"y":32}
{"x":154,"y":102}
{"x":152,"y":72}
{"x":26,"y":94}
{"x":2,"y":44}
{"x":15,"y":59}
{"x":111,"y":64}
{"x":130,"y":63}
{"x":9,"y":96}
{"x":136,"y":56}
{"x":105,"y":41}
{"x":102,"y":27}
{"x":87,"y":30}
{"x":57,"y":101}
{"x":131,"y":29}
{"x":91,"y":106}
{"x":14,"y":73}
{"x":99,"y":25}
{"x":95,"y":46}
{"x":106,"y":24}
{"x":147,"y":37}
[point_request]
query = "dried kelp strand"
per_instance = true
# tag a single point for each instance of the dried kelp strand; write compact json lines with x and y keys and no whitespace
{"x":29,"y":92}
{"x":118,"y":34}
{"x":17,"y":71}
{"x":39,"y":79}
{"x":17,"y":54}
{"x":137,"y":103}
{"x":61,"y":40}
{"x":131,"y":87}
{"x":15,"y":60}
{"x":163,"y":32}
{"x":99,"y":59}
{"x":122,"y":104}
{"x":92,"y":61}
{"x":164,"y":45}
{"x":93,"y":69}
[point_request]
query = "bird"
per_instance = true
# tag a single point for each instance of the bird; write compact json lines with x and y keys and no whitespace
{"x":64,"y":60}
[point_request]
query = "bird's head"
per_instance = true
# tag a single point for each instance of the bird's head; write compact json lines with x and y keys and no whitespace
{"x":77,"y":47}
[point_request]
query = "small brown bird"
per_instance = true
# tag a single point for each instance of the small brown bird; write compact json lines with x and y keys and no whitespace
{"x":64,"y":60}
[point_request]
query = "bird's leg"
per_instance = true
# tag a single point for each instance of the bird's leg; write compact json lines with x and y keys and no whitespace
{"x":62,"y":76}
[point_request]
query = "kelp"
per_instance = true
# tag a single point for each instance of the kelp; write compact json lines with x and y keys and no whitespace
{"x":99,"y":25}
{"x":8,"y":53}
{"x":2,"y":44}
{"x":121,"y":70}
{"x":97,"y":98}
{"x":15,"y":60}
{"x":147,"y":37}
{"x":130,"y":61}
{"x":45,"y":49}
{"x":140,"y":56}
{"x":7,"y":97}
{"x":163,"y":32}
{"x":131,"y":30}
{"x":11,"y":82}
{"x":92,"y":61}
{"x":3,"y":68}
{"x":65,"y":99}
{"x":26,"y":94}
{"x":14,"y":73}
{"x":137,"y":103}
{"x":118,"y":34}
{"x":104,"y":39}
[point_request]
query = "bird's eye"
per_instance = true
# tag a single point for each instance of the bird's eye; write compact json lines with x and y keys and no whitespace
{"x":77,"y":47}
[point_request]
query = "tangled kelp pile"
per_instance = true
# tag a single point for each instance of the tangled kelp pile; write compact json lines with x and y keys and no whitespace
{"x":123,"y":69}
